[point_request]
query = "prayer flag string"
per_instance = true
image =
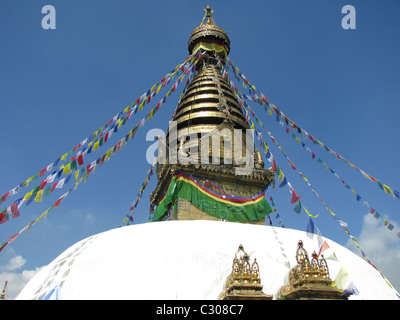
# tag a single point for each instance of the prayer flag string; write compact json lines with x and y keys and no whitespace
{"x":372,"y":210}
{"x":85,"y":171}
{"x":295,"y":198}
{"x":39,"y":192}
{"x":97,"y":138}
{"x":129,"y":218}
{"x":260,"y":98}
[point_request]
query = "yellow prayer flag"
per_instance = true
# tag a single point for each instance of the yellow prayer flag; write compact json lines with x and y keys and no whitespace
{"x":341,"y":279}
{"x":270,"y":112}
{"x":281,"y":175}
{"x":150,"y":114}
{"x":127,"y":109}
{"x":387,"y":189}
{"x":28,"y":195}
{"x":96,"y":145}
{"x":266,"y":148}
{"x":331,"y":212}
{"x":141,"y":105}
{"x":67,"y":169}
{"x":309,"y":213}
{"x":109,"y":152}
{"x":39,"y":195}
{"x":64,"y":157}
{"x":76,"y":174}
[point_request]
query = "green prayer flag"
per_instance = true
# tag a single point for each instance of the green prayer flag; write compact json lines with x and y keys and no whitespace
{"x":73,"y":164}
{"x":47,"y":191}
{"x":297,"y":208}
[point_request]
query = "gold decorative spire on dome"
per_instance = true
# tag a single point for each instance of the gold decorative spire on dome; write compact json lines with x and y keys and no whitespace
{"x":208,"y":36}
{"x":208,"y":15}
{"x":244,"y":282}
{"x":310,"y":280}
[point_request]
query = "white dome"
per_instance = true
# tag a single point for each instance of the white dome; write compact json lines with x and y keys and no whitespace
{"x":186,"y":260}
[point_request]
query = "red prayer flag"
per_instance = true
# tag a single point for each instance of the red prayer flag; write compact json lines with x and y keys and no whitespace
{"x":57,"y":203}
{"x":323,"y":248}
{"x":80,"y":159}
{"x":3,"y":217}
{"x":14,"y":210}
{"x":41,"y":173}
{"x":295,"y":197}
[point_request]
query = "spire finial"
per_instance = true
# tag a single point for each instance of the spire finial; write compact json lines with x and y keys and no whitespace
{"x":208,"y":15}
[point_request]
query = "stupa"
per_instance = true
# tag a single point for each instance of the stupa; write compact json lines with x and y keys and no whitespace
{"x":209,"y":202}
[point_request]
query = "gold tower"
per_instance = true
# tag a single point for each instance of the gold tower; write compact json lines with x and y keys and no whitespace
{"x":209,"y":129}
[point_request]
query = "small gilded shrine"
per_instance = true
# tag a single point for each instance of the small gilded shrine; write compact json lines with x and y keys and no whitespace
{"x":310,"y":280}
{"x":244,"y":282}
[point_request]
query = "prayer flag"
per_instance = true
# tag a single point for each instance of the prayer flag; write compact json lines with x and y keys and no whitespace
{"x":96,"y":145}
{"x":39,"y":195}
{"x":332,"y":256}
{"x":47,"y":191}
{"x":14,"y":210}
{"x":67,"y":169}
{"x":60,"y":183}
{"x":341,"y":279}
{"x":387,"y":189}
{"x":295,"y":197}
{"x":80,"y":159}
{"x":309,"y":214}
{"x":350,"y":289}
{"x":324,"y":247}
{"x":281,"y":176}
{"x":297,"y":208}
{"x":284,"y":183}
{"x":265,"y":148}
{"x":310,"y":229}
{"x":3,"y":216}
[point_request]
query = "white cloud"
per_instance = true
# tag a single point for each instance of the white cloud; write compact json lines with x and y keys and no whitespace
{"x":16,"y":279}
{"x":382,"y":247}
{"x":14,"y":263}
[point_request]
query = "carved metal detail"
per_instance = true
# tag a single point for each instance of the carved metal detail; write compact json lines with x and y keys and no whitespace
{"x":309,"y":279}
{"x":244,"y":282}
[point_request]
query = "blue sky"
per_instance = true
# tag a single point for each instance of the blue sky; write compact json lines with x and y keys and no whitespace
{"x":58,"y":86}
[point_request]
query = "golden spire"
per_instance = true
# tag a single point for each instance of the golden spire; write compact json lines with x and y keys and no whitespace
{"x":208,"y":15}
{"x":209,"y":37}
{"x":244,"y":282}
{"x":310,"y":279}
